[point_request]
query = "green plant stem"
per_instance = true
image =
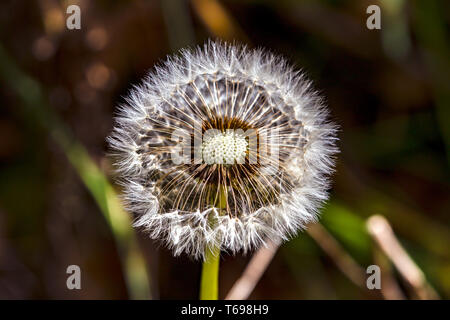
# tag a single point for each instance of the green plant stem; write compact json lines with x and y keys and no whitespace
{"x":209,"y":285}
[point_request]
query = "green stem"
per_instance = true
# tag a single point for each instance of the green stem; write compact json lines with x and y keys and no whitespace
{"x":209,"y":287}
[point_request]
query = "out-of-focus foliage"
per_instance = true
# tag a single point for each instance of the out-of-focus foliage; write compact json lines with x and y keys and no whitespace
{"x":388,"y":89}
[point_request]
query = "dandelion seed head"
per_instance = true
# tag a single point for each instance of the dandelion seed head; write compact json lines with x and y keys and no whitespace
{"x":227,"y":148}
{"x":260,"y":169}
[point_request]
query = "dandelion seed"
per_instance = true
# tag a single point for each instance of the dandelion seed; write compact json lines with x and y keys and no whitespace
{"x":265,"y":143}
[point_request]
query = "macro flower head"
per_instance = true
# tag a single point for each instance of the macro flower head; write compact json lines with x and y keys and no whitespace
{"x":223,"y":146}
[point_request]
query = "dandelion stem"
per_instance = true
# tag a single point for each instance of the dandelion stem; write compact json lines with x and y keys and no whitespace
{"x":209,"y":285}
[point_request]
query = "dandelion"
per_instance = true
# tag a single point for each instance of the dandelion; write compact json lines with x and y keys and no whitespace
{"x":223,"y":147}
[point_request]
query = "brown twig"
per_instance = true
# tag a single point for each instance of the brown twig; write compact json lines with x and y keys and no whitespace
{"x":341,"y":258}
{"x":380,"y":229}
{"x":390,"y":289}
{"x":244,"y":286}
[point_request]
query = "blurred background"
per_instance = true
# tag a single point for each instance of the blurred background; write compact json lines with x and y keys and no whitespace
{"x":388,"y":89}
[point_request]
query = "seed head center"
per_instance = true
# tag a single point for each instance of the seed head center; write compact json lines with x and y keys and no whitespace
{"x":228,"y":148}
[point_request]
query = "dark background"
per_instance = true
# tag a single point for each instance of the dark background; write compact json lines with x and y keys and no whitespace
{"x":388,"y":90}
